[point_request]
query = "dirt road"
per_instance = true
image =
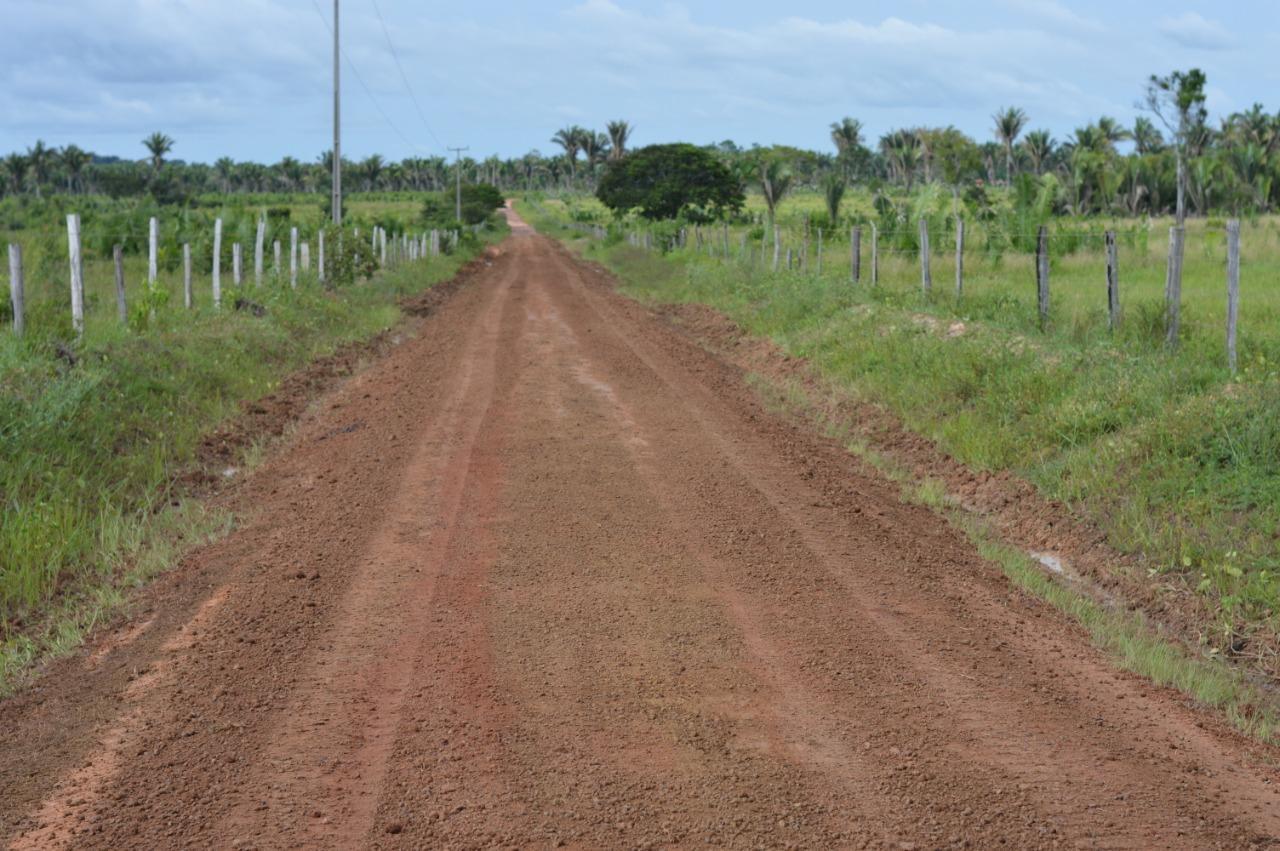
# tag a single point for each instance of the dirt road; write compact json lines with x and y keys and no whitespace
{"x":548,"y":575}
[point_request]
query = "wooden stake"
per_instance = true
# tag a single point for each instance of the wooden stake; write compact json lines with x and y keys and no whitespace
{"x":306,"y":257}
{"x":293,"y":255}
{"x":1173,"y":287}
{"x":258,"y":242}
{"x":188,"y":298}
{"x":1042,"y":275}
{"x":320,"y":255}
{"x":819,"y":251}
{"x":122,"y":309}
{"x":277,"y":270}
{"x":17,"y":294}
{"x":77,"y":274}
{"x":217,"y":263}
{"x":959,"y":257}
{"x":153,"y":249}
{"x":875,"y":255}
{"x":855,"y":254}
{"x":926,"y":275}
{"x":236,"y":264}
{"x":1233,"y":289}
{"x":1113,"y":282}
{"x":777,"y":247}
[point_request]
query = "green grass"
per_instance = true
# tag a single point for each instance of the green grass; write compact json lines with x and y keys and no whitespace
{"x":89,"y":452}
{"x":1171,"y":456}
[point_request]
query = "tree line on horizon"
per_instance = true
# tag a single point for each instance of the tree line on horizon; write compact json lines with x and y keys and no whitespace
{"x":1176,"y":160}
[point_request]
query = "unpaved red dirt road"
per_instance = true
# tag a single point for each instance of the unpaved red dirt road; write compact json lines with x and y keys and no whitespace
{"x":547,"y":574}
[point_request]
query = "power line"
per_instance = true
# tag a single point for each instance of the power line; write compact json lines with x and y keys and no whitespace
{"x":363,"y":84}
{"x":403,"y":76}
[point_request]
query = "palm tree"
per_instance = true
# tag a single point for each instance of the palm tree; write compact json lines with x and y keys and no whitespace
{"x":290,"y":172}
{"x":1009,"y":124}
{"x":1112,"y":132}
{"x":74,"y":161}
{"x":1038,"y":146}
{"x":16,"y":167}
{"x":39,"y":161}
{"x":225,"y":168}
{"x":157,"y":144}
{"x":903,"y":151}
{"x":619,"y":135}
{"x":570,"y":138}
{"x":372,"y":166}
{"x":833,"y":194}
{"x":594,"y":146}
{"x":775,"y":182}
{"x":1146,"y":136}
{"x":846,"y":134}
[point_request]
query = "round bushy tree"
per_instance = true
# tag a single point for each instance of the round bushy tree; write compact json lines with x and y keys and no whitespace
{"x":671,"y":181}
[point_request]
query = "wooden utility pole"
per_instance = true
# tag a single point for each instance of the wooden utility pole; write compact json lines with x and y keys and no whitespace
{"x":457,"y":155}
{"x":336,"y":199}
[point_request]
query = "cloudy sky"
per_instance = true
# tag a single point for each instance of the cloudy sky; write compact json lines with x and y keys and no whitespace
{"x":251,"y":78}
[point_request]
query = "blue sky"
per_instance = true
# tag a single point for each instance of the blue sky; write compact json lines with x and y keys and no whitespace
{"x":250,"y":78}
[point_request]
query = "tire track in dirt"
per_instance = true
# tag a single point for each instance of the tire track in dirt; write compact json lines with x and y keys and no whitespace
{"x":570,"y":584}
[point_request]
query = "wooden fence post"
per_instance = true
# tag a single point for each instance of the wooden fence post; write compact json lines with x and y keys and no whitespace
{"x":236,"y":261}
{"x":788,"y":259}
{"x":122,"y":308}
{"x":1113,"y":282}
{"x":926,"y":275}
{"x":875,"y":255}
{"x":306,"y":256}
{"x":258,"y":244}
{"x":320,"y":254}
{"x":77,"y":273}
{"x":1042,"y":275}
{"x":17,"y":295}
{"x":819,"y":251}
{"x":217,"y":263}
{"x":1173,"y":287}
{"x":153,"y":249}
{"x":959,"y":257}
{"x":777,"y":247}
{"x":1233,"y":289}
{"x":384,"y":247}
{"x":804,"y":250}
{"x":277,"y":270}
{"x":187,"y":297}
{"x":855,"y":253}
{"x":293,"y":255}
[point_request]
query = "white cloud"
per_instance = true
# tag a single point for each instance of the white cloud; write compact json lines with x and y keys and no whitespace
{"x":1190,"y":29}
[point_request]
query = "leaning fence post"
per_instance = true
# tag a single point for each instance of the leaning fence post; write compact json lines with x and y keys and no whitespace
{"x":77,"y":274}
{"x":1042,"y":275}
{"x":926,"y":276}
{"x":258,"y":243}
{"x":122,"y":309}
{"x":217,"y":263}
{"x":293,"y":256}
{"x":1113,"y":282}
{"x":875,"y":255}
{"x":187,"y":298}
{"x":1173,"y":287}
{"x":17,"y":296}
{"x":1233,"y":289}
{"x":153,"y":249}
{"x":959,"y":257}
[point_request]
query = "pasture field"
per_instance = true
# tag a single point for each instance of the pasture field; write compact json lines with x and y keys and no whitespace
{"x":1172,"y":456}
